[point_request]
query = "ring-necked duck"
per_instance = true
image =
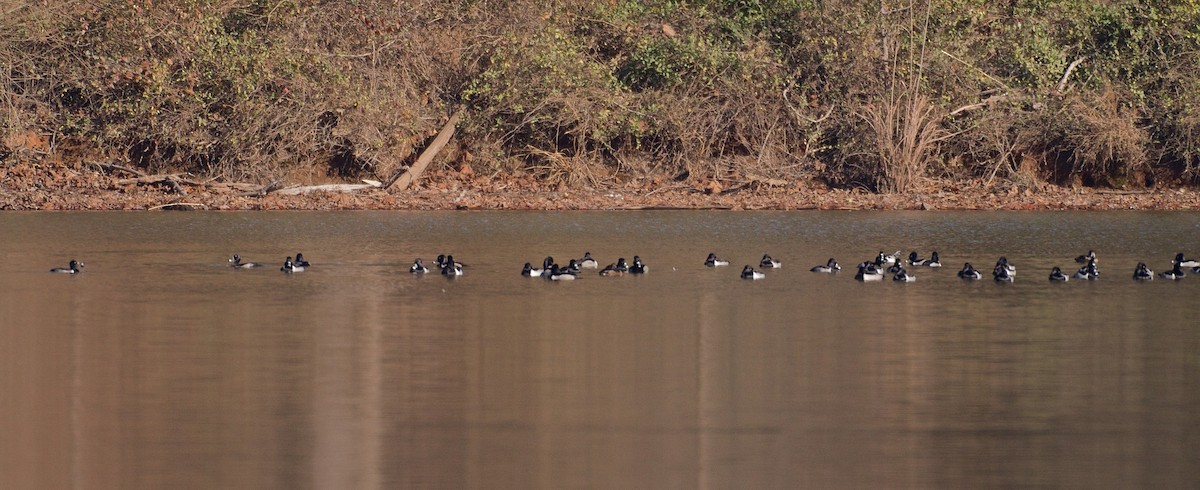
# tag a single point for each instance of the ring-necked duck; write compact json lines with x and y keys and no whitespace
{"x":1083,"y":259}
{"x":768,"y":263}
{"x":71,"y":268}
{"x":1057,"y":275}
{"x":968,"y":272}
{"x":1001,"y":274}
{"x":587,"y":262}
{"x":450,"y":267}
{"x":895,"y":267}
{"x":1142,"y":272}
{"x":558,"y":274}
{"x":529,"y":271}
{"x":903,"y":276}
{"x":883,"y":259}
{"x":933,"y":261}
{"x":913,"y":259}
{"x":300,"y":260}
{"x":638,"y":266}
{"x":1012,"y":269}
{"x":1174,"y":274}
{"x":749,"y":273}
{"x":418,"y":267}
{"x":868,"y":272}
{"x":236,"y":262}
{"x":713,"y":261}
{"x":1088,"y":272}
{"x":611,"y":270}
{"x":830,"y":266}
{"x":290,"y":267}
{"x":1185,"y":262}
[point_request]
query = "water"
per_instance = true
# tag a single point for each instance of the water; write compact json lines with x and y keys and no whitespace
{"x":160,"y":367}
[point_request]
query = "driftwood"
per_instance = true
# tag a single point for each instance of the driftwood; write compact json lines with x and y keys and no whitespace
{"x":292,"y":191}
{"x":407,"y":178}
{"x":177,"y":206}
{"x":1062,"y":83}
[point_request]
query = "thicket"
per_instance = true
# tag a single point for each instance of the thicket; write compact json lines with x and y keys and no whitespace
{"x":878,"y":95}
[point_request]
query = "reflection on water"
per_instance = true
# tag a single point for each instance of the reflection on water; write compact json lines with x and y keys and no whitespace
{"x":160,"y":367}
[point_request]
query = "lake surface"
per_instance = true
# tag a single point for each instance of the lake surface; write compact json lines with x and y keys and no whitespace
{"x":161,"y":367}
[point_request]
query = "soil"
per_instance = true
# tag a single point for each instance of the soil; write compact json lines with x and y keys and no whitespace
{"x":55,"y":186}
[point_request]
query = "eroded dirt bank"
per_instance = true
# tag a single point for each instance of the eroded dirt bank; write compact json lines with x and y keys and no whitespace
{"x":41,"y":186}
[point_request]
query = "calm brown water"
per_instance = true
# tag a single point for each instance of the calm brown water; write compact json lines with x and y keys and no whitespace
{"x":160,"y":367}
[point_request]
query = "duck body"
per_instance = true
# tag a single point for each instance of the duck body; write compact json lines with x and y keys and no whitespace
{"x":1174,"y":274}
{"x":529,"y":271}
{"x":289,"y":266}
{"x":1001,"y":274}
{"x":1085,"y":258}
{"x":1142,"y":272}
{"x":868,"y":272}
{"x":968,"y":272}
{"x":768,"y":263}
{"x":884,"y":259}
{"x":418,"y":267}
{"x":749,"y":273}
{"x":829,"y":267}
{"x":713,"y":261}
{"x":1003,"y":262}
{"x":611,"y":270}
{"x":587,"y":262}
{"x":903,"y":276}
{"x":300,"y":260}
{"x":558,"y":274}
{"x":74,"y":267}
{"x":236,"y":263}
{"x":1185,"y":262}
{"x":451,"y":268}
{"x":1056,"y":275}
{"x":638,"y":266}
{"x":1088,"y":272}
{"x":933,"y":261}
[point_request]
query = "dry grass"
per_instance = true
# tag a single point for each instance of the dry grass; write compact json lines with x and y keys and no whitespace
{"x":905,"y":130}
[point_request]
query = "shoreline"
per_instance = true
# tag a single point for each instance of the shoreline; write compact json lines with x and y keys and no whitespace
{"x":26,"y":187}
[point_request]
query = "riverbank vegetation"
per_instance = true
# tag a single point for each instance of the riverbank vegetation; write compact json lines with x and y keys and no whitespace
{"x":881,"y":96}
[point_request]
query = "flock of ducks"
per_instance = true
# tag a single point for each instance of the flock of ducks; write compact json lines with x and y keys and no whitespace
{"x":872,"y":270}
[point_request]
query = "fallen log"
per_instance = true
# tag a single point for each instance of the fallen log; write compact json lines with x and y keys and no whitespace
{"x":305,"y":189}
{"x":407,"y":178}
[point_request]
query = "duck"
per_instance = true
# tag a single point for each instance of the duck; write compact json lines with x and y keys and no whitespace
{"x":913,"y":259}
{"x":611,"y":270}
{"x":1088,"y":272}
{"x":868,"y":272}
{"x":236,"y":263}
{"x":932,"y":261}
{"x":768,"y":263}
{"x":573,"y":267}
{"x":450,"y":267}
{"x":903,"y":276}
{"x":1186,"y":262}
{"x":638,"y":266}
{"x":968,"y":272}
{"x":622,"y":267}
{"x":713,"y":261}
{"x":558,"y":274}
{"x":72,"y":268}
{"x":895,"y":267}
{"x":830,"y":266}
{"x":418,"y":267}
{"x":290,"y":267}
{"x":1001,"y":274}
{"x":1056,"y":275}
{"x":1173,"y":274}
{"x":529,"y":271}
{"x":1003,"y":261}
{"x":587,"y":262}
{"x":300,"y":260}
{"x":1083,"y":259}
{"x":884,"y":259}
{"x":1142,"y":272}
{"x":749,"y":273}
